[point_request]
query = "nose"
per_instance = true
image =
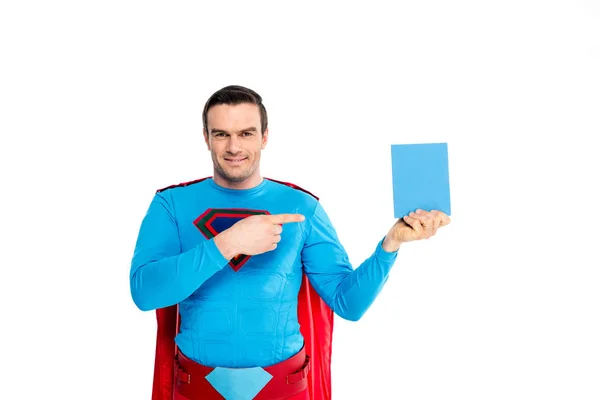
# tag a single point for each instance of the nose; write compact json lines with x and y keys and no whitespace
{"x":233,"y":145}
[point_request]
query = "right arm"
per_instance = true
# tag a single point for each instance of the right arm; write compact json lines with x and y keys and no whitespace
{"x":161,"y":275}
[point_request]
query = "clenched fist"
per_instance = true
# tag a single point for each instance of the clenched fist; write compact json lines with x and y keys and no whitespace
{"x":254,"y":235}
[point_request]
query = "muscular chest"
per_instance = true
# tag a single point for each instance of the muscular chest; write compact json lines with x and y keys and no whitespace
{"x":200,"y":226}
{"x":264,"y":277}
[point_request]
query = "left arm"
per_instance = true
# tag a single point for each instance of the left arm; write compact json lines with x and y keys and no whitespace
{"x":348,"y":292}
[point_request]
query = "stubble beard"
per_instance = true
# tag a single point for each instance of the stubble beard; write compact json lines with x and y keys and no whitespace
{"x":241,"y":176}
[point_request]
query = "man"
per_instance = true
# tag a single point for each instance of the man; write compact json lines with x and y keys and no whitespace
{"x":245,"y":272}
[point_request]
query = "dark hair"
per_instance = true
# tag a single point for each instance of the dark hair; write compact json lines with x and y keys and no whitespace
{"x":234,"y":95}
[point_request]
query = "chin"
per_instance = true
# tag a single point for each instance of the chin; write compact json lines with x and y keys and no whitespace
{"x":236,"y":178}
{"x":234,"y":175}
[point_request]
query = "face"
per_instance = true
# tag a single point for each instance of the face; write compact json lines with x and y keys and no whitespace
{"x":235,"y":143}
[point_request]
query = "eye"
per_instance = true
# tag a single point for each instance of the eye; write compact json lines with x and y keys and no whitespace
{"x":247,"y":133}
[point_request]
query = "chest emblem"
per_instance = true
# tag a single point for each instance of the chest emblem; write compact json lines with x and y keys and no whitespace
{"x":215,"y":220}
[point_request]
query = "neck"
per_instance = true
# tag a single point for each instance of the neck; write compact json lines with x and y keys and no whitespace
{"x":252,"y":181}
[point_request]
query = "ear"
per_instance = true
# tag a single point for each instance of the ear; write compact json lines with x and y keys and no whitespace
{"x":265,"y":139}
{"x":206,"y":139}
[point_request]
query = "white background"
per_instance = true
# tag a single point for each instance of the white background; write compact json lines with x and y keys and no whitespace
{"x":101,"y":104}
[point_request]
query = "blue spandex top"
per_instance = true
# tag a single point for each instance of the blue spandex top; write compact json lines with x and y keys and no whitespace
{"x":246,"y":318}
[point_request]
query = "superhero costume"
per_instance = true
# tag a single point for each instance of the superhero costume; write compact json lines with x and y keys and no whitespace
{"x":249,"y":311}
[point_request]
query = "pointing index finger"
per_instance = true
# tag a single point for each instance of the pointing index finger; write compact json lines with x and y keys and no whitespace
{"x":286,"y":218}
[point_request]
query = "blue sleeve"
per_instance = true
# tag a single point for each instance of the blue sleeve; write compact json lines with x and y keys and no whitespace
{"x":348,"y":292}
{"x":161,"y":274}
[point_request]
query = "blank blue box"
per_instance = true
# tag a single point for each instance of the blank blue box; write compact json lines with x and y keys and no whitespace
{"x":420,"y":178}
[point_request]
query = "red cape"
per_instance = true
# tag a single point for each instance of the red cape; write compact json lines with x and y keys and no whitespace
{"x":316,"y":325}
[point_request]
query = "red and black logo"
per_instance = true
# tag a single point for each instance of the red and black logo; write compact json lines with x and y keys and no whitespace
{"x":215,"y":220}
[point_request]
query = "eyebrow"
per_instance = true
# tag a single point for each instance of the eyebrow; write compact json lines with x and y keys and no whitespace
{"x":250,"y":129}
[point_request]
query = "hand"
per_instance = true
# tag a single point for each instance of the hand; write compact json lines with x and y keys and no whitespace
{"x":254,"y":235}
{"x":415,"y":226}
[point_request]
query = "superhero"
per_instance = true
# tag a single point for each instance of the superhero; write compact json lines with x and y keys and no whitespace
{"x":245,"y":273}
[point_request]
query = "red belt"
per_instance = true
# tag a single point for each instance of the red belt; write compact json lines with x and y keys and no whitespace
{"x":289,"y":378}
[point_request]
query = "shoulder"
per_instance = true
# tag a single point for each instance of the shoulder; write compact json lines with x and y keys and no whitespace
{"x":182,"y":184}
{"x":295,"y":196}
{"x":293,"y":186}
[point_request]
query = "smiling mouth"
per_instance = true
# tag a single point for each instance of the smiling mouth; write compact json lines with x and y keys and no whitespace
{"x":236,"y":160}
